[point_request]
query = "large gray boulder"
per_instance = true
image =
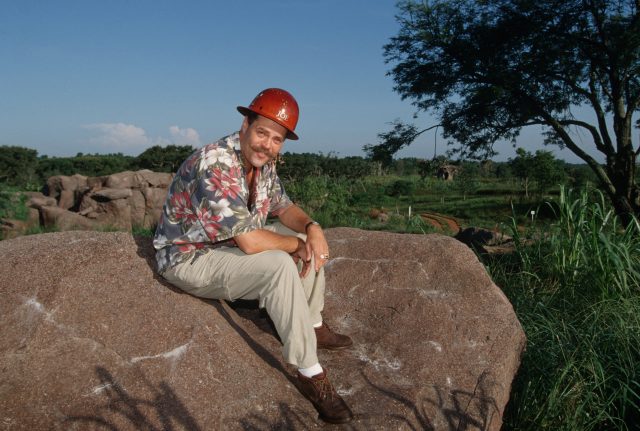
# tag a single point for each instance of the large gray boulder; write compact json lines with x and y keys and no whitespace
{"x":93,"y":339}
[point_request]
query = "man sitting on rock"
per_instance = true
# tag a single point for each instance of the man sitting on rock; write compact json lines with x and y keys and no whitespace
{"x":212,"y":240}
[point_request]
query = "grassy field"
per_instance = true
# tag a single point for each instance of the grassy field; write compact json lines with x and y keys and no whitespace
{"x":490,"y":204}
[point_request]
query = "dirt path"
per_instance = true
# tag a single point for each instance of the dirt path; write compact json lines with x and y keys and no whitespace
{"x":441,"y":222}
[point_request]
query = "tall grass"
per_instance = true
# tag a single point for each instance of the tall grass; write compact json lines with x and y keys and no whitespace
{"x":576,"y":291}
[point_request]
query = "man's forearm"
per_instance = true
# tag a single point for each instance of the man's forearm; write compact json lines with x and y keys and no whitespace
{"x":294,"y":218}
{"x":261,"y":240}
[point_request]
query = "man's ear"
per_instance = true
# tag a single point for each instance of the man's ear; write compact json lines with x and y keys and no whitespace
{"x":245,"y":125}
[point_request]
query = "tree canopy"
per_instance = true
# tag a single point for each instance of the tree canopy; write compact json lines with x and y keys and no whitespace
{"x":488,"y":68}
{"x":17,"y":165}
{"x":164,"y":159}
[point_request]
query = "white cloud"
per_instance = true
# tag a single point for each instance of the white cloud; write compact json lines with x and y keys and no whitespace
{"x":127,"y":138}
{"x":186,"y":136}
{"x":119,"y":136}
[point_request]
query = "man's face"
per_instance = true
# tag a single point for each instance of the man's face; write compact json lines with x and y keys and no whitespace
{"x":261,"y":141}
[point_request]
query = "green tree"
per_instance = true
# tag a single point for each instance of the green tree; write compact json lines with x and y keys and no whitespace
{"x":163,"y":159}
{"x":548,"y":171}
{"x":50,"y":166}
{"x":296,"y":166}
{"x":466,"y":180}
{"x":18,"y":166}
{"x":504,"y":171}
{"x":522,"y":167}
{"x":83,"y":164}
{"x":489,"y":68}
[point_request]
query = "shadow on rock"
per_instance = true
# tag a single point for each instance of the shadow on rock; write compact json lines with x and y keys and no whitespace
{"x":419,"y":413}
{"x":148,"y":253}
{"x":463,"y":411}
{"x":256,"y":346}
{"x":251,"y":311}
{"x":162,"y":411}
{"x":288,"y":420}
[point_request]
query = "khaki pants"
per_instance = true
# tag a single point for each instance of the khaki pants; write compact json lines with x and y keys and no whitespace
{"x":271,"y":277}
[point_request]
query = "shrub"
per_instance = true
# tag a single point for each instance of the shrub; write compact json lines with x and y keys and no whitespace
{"x":401,"y":188}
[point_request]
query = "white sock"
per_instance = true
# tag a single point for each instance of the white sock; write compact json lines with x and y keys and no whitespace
{"x":313,"y":370}
{"x":317,"y":325}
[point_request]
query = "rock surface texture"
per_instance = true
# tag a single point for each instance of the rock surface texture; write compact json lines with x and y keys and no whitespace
{"x":93,"y":339}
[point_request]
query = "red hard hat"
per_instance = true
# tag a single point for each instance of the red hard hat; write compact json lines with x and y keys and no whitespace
{"x":278,"y":105}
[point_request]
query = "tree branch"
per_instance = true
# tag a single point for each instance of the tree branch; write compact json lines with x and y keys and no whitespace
{"x":425,"y":130}
{"x":594,"y":133}
{"x":566,"y":139}
{"x":600,"y":115}
{"x":600,"y":173}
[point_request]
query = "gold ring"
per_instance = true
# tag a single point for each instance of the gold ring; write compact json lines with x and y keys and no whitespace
{"x":324,"y":256}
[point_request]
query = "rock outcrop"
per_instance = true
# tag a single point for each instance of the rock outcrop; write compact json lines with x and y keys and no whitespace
{"x":119,"y":201}
{"x":93,"y":339}
{"x":67,"y":190}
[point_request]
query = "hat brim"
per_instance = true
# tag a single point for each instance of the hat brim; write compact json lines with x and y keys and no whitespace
{"x":246,"y":111}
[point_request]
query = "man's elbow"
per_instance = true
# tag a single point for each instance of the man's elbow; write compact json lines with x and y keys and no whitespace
{"x":246,"y":244}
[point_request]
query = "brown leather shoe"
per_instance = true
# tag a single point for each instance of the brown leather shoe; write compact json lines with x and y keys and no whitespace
{"x":327,"y":339}
{"x":319,"y":390}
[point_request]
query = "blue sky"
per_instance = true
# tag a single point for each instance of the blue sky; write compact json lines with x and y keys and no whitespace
{"x":119,"y":76}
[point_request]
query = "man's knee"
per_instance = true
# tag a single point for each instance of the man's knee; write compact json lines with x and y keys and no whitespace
{"x":280,"y":265}
{"x":284,"y":270}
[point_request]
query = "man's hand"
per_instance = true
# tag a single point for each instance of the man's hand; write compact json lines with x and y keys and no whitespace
{"x":301,"y":254}
{"x":317,"y":244}
{"x":294,"y":218}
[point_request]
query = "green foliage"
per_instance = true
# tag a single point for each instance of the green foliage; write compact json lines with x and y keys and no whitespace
{"x":296,"y":166}
{"x":163,"y":159}
{"x":522,"y":167}
{"x":143,"y":231}
{"x":323,"y":198}
{"x":89,"y":165}
{"x":549,"y":171}
{"x":467,"y":178}
{"x":426,"y":168}
{"x":489,"y":68}
{"x":580,"y":176}
{"x":576,"y":291}
{"x":406,"y":166}
{"x":543,"y":168}
{"x":400,"y":188}
{"x":398,"y":137}
{"x":17,"y":165}
{"x":13,"y":204}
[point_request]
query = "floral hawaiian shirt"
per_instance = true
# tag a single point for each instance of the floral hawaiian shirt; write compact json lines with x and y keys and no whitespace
{"x":209,"y":203}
